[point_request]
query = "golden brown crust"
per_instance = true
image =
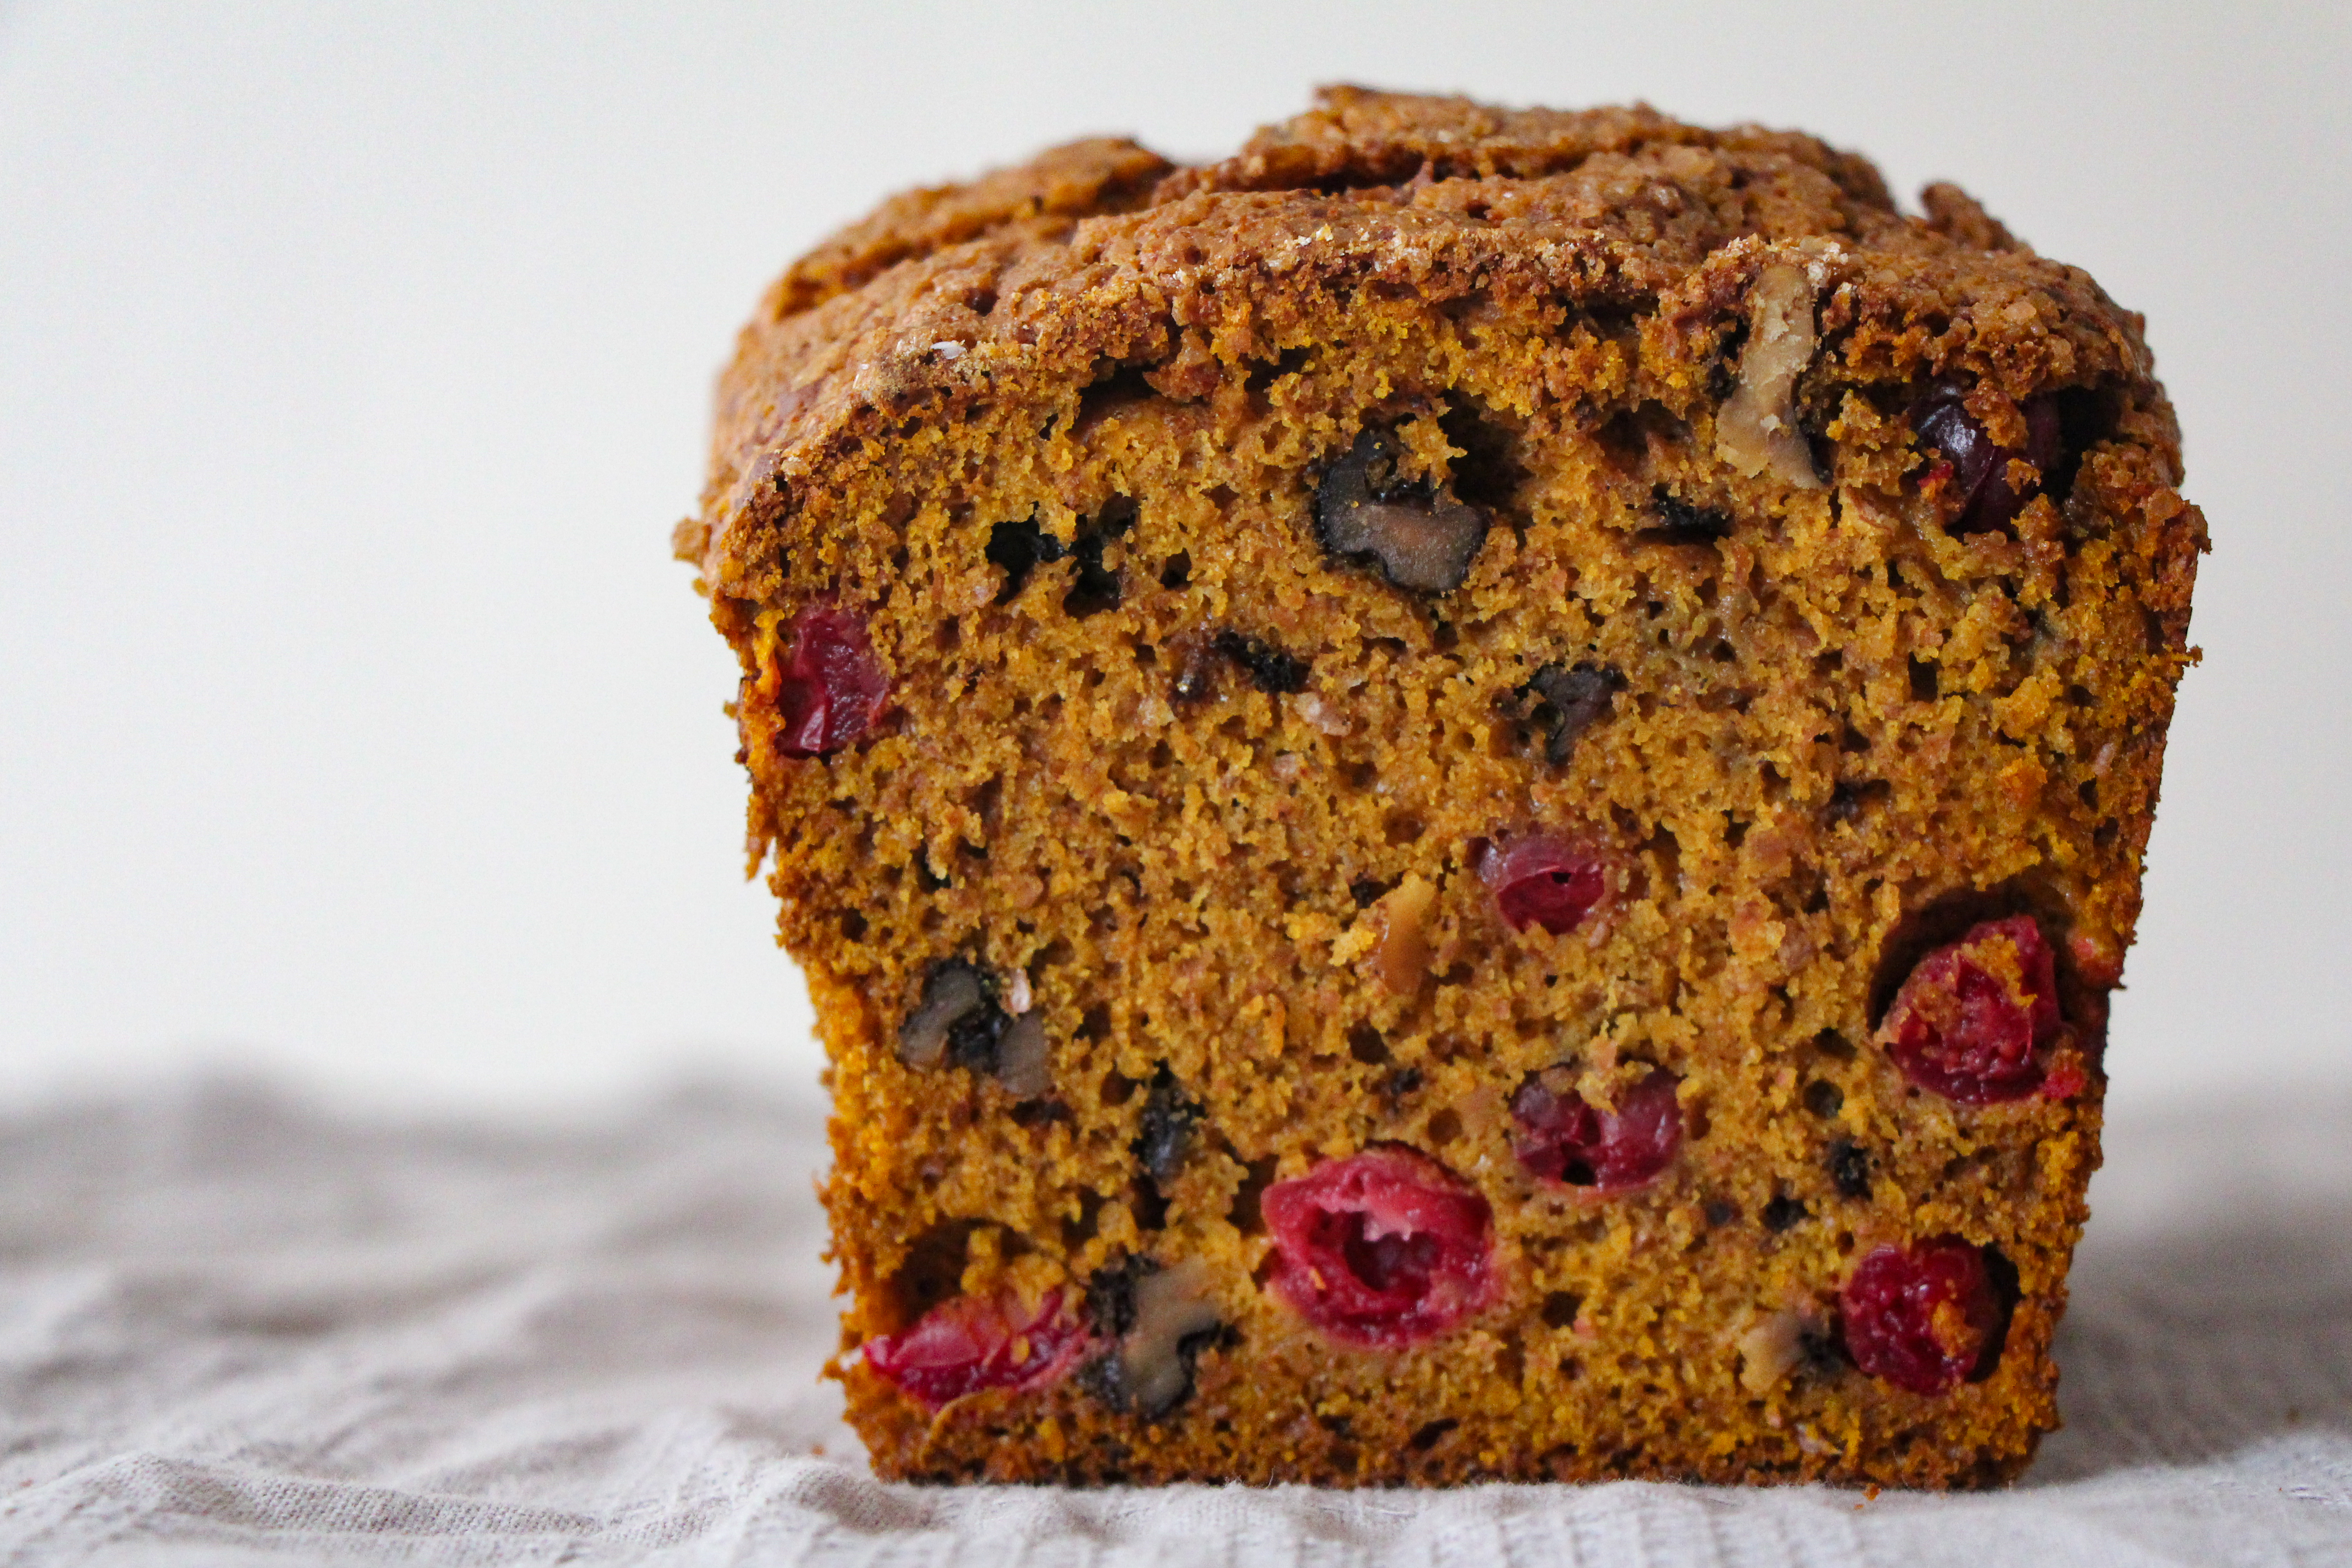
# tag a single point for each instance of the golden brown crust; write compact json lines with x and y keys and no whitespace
{"x":1849,"y":725}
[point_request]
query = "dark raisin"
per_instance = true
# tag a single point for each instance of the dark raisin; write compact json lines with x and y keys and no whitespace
{"x":1419,"y":536}
{"x":1567,"y":701}
{"x":1270,"y":669}
{"x":1017,"y":548}
{"x":1849,"y":1166}
{"x":1110,"y":1295}
{"x":1783,"y":1212}
{"x":1169,"y":1117}
{"x":1681,"y":523}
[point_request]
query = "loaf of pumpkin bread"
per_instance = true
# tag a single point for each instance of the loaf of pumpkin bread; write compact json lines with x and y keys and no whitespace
{"x":1459,"y":797}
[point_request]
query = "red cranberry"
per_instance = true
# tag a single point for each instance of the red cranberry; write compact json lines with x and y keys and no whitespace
{"x":1979,"y":468}
{"x":1382,"y":1249}
{"x":1967,"y":1021}
{"x":1540,"y":881}
{"x":1921,"y":1320}
{"x":830,"y":689}
{"x":1563,"y":1139}
{"x":970,"y":1343}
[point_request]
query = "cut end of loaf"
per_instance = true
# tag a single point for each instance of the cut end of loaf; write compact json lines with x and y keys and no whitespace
{"x":1459,"y":797}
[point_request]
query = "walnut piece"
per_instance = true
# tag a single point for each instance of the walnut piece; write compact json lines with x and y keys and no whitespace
{"x":1757,"y":432}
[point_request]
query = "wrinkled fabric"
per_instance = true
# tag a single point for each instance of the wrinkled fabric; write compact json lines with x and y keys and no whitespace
{"x":238,"y":1330}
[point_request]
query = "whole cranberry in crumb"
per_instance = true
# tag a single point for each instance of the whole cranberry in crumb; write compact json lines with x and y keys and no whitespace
{"x":1921,"y":1319}
{"x":1980,"y":476}
{"x":1543,"y":880}
{"x":1382,"y":1249}
{"x":829,"y":686}
{"x":1969,"y":1018}
{"x":972,"y":1342}
{"x":1563,"y":1139}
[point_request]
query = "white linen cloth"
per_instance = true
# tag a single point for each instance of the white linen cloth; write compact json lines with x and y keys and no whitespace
{"x":235,"y":1330}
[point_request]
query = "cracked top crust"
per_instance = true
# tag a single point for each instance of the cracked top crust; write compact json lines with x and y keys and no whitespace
{"x":1100,"y":255}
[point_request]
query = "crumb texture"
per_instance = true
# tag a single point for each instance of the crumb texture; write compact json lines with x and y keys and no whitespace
{"x":1460,"y":794}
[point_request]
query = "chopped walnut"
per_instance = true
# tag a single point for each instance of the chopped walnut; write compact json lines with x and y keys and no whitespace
{"x":1170,"y":1307}
{"x":1757,"y":432}
{"x":1403,"y":957}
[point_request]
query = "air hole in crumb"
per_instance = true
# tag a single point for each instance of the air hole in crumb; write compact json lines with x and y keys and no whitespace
{"x":1695,"y":1125}
{"x":1510,"y":1360}
{"x":1177,"y":570}
{"x":1244,"y":1214}
{"x":1824,"y":1098}
{"x":1560,"y":1309}
{"x":933,"y":1270}
{"x":1095,"y":1023}
{"x":2105,"y":835}
{"x":1367,"y":891}
{"x":1444,"y":1128}
{"x":1429,"y":1436}
{"x":1118,"y":1088}
{"x":1404,"y":827}
{"x":1924,"y":681}
{"x":947,"y":636}
{"x":1078,"y":1231}
{"x":1360,"y":775}
{"x":1735,"y":829}
{"x":1365,"y":1044}
{"x":2089,"y":793}
{"x":1833,"y":1045}
{"x":853,"y":925}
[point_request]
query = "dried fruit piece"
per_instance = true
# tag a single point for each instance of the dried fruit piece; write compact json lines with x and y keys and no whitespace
{"x":828,"y":687}
{"x":1270,"y":669}
{"x":1542,"y":881}
{"x":956,"y":1016}
{"x":1924,"y":1319}
{"x":1980,"y":474}
{"x":1380,"y":1249}
{"x":1969,"y":1018}
{"x":1681,"y":523}
{"x":1169,"y":1117}
{"x":1418,"y":536}
{"x":1849,"y":1166}
{"x":1562,"y":1138}
{"x":970,"y":1343}
{"x":1568,"y":701}
{"x":1162,"y":1319}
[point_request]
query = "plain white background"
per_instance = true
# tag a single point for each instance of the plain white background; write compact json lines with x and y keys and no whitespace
{"x":354,"y":362}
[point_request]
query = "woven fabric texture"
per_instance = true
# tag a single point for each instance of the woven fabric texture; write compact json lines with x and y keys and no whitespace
{"x":235,"y":1329}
